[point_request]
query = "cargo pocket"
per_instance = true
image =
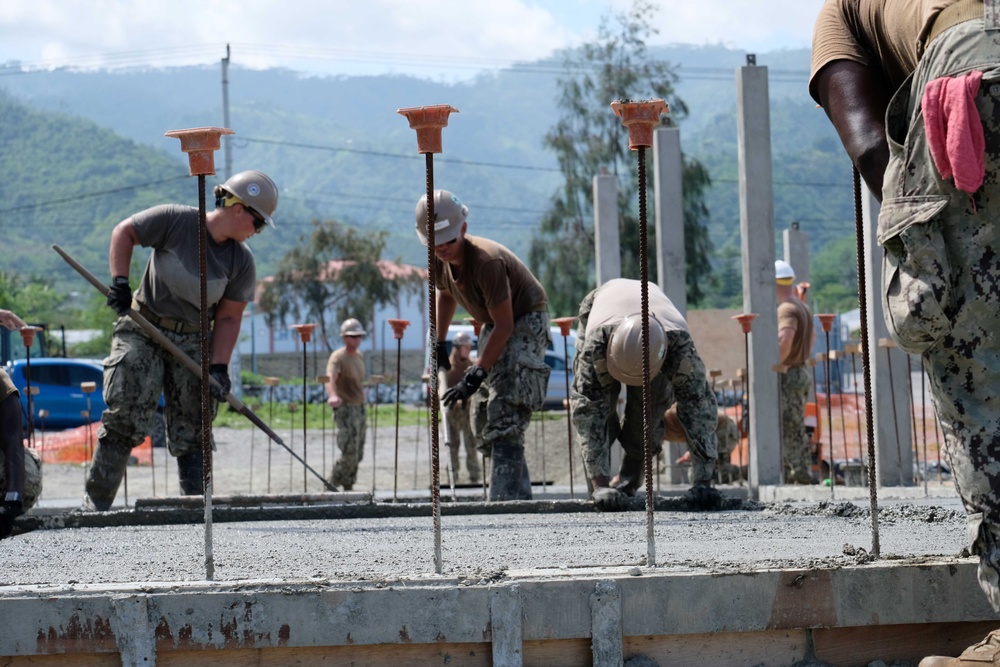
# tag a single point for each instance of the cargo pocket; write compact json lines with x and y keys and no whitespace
{"x":526,"y":385}
{"x":916,"y":273}
{"x":111,"y":363}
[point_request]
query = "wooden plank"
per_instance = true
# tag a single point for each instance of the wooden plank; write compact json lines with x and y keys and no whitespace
{"x":848,"y":647}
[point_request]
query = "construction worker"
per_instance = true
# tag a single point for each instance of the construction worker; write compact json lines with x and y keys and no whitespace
{"x":910,"y":88}
{"x":457,"y":414}
{"x":346,"y":395}
{"x":796,"y":337}
{"x":20,"y":467}
{"x":138,"y":370}
{"x":727,"y":436}
{"x":509,"y":378}
{"x":609,"y":354}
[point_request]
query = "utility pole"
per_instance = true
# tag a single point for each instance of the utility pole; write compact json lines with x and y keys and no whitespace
{"x":226,"y":143}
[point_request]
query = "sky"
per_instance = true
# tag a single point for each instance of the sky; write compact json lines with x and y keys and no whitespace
{"x":446,"y":40}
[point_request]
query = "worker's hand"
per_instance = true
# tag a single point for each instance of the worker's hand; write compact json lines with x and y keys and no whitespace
{"x":120,"y":295}
{"x":334,"y":402}
{"x":466,"y":388}
{"x":444,"y":363}
{"x":10,"y":321}
{"x":610,"y":499}
{"x":220,"y":373}
{"x":8,"y":512}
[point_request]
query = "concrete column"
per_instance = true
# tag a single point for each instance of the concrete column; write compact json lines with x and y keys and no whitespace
{"x":606,"y":234}
{"x":606,"y":644}
{"x":757,"y":231}
{"x":135,"y":637}
{"x":506,"y":625}
{"x":669,"y":197}
{"x":796,"y":247}
{"x":893,"y":455}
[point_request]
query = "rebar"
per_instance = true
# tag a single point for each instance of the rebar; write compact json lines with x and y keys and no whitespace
{"x":913,"y":418}
{"x":206,"y":414}
{"x":432,"y":336}
{"x":395,"y":465}
{"x":923,"y":420}
{"x":854,"y":381}
{"x":647,"y":436}
{"x":829,"y":417}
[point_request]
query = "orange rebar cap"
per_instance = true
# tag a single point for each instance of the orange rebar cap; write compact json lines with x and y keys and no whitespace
{"x":564,"y":324}
{"x":826,"y":321}
{"x":28,"y":334}
{"x":428,"y":121}
{"x":640,"y":117}
{"x":746,"y":321}
{"x":304,"y":331}
{"x":200,"y":143}
{"x":398,"y":327}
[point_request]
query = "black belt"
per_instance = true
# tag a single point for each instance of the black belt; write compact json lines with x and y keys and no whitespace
{"x":168,"y":323}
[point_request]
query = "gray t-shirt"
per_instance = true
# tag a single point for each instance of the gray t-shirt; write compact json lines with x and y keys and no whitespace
{"x":171,"y":284}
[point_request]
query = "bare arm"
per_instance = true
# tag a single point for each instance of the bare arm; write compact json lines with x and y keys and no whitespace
{"x":503,"y":326}
{"x":123,"y":241}
{"x":446,"y":306}
{"x":333,"y":400}
{"x":226,"y":331}
{"x":855,"y":97}
{"x":785,"y":339}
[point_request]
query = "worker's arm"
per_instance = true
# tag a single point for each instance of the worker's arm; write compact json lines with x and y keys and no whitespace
{"x":855,"y":97}
{"x":226,"y":330}
{"x":502,"y":315}
{"x":697,"y":408}
{"x":786,"y":336}
{"x":446,"y":306}
{"x":333,"y":400}
{"x":10,"y":320}
{"x":123,"y":241}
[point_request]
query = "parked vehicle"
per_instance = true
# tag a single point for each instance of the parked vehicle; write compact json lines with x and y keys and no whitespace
{"x":58,"y":381}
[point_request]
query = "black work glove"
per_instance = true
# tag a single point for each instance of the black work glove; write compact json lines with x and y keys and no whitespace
{"x":219,"y":373}
{"x":120,"y":295}
{"x":610,"y":499}
{"x":444,"y":363}
{"x":466,"y":388}
{"x":8,"y":512}
{"x":703,"y":498}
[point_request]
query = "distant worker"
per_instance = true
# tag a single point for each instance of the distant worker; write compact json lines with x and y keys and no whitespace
{"x":796,"y":337}
{"x":609,"y":354}
{"x":910,"y":88}
{"x":457,"y":414}
{"x":138,"y":370}
{"x":509,"y":378}
{"x":346,"y":395}
{"x":727,"y":435}
{"x":20,"y":467}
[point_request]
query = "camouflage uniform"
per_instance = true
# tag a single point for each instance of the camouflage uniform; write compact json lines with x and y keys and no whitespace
{"x":457,"y":418}
{"x":31,"y":486}
{"x":350,"y":420}
{"x":940,"y":278}
{"x":728,"y":436}
{"x":794,"y":388}
{"x":682,"y":379}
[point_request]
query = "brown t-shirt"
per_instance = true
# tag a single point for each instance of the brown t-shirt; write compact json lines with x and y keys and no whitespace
{"x":886,"y":35}
{"x":490,"y":274}
{"x":794,"y":314}
{"x":350,"y":372}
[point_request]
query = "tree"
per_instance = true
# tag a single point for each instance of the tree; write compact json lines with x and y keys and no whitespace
{"x":587,"y":138}
{"x":336,"y":271}
{"x":833,"y":275}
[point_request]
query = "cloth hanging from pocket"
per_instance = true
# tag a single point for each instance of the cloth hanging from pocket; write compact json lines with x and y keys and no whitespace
{"x":954,"y":129}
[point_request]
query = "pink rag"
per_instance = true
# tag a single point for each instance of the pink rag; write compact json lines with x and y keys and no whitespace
{"x":954,"y":129}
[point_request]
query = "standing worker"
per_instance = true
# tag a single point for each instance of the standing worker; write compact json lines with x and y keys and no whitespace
{"x":137,"y":370}
{"x":346,"y":395}
{"x":20,"y":468}
{"x":609,"y":355}
{"x":796,"y":338}
{"x":904,"y":85}
{"x":453,"y":369}
{"x":509,"y":378}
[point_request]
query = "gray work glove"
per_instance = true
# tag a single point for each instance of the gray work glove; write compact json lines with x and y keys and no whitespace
{"x":120,"y":295}
{"x":444,"y":363}
{"x":466,"y":388}
{"x":610,"y":499}
{"x":220,"y":373}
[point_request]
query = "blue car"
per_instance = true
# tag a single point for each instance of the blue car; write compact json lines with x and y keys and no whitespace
{"x":59,"y":390}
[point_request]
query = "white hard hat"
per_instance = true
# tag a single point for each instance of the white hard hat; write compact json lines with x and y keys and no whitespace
{"x":625,"y":350}
{"x":352,"y":327}
{"x":783,"y":270}
{"x":461,"y":338}
{"x":449,"y":215}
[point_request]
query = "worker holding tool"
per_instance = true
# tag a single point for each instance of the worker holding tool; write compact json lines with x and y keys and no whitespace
{"x":20,"y":467}
{"x":138,"y":370}
{"x":609,"y":354}
{"x":453,"y":369}
{"x":796,"y":338}
{"x":912,"y":91}
{"x":509,"y":378}
{"x":346,"y":395}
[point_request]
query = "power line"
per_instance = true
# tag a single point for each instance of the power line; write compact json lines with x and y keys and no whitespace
{"x":90,"y":195}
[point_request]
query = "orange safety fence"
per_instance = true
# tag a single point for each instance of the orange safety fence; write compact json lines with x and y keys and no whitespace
{"x":76,"y":445}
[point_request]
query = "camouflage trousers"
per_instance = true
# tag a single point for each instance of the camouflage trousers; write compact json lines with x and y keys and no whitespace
{"x":794,"y":392}
{"x":31,"y":487}
{"x":940,"y":279}
{"x":515,"y":386}
{"x":459,"y":432}
{"x":350,"y":420}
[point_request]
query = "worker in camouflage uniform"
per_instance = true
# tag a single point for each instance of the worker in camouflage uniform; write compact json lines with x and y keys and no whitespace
{"x":138,"y":370}
{"x":727,"y":436}
{"x":609,"y":354}
{"x":456,"y":415}
{"x":912,"y":89}
{"x":509,"y":378}
{"x":796,"y":338}
{"x":20,"y":467}
{"x":346,"y":395}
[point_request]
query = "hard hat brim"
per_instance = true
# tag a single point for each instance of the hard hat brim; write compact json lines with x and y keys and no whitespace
{"x":618,"y":373}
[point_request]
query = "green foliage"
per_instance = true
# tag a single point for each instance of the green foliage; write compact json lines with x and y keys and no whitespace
{"x":589,"y":138}
{"x":833,"y":276}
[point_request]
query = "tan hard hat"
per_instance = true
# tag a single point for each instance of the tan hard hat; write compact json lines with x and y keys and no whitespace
{"x":449,"y":216}
{"x":256,"y":190}
{"x":625,"y":350}
{"x":461,"y":338}
{"x":352,"y":327}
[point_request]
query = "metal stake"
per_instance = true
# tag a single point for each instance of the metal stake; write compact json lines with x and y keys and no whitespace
{"x":398,"y":329}
{"x":827,"y":323}
{"x":564,"y":324}
{"x":888,"y":344}
{"x":271,"y":382}
{"x":305,"y":334}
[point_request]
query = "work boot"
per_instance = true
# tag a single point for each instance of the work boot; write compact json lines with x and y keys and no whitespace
{"x":191,"y":471}
{"x":983,"y":654}
{"x":509,"y":479}
{"x":106,"y":472}
{"x":629,"y":477}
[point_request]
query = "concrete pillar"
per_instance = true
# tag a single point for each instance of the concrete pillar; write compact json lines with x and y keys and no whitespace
{"x":606,"y":233}
{"x":796,"y":247}
{"x":757,"y":231}
{"x":606,"y":643}
{"x":506,"y":625}
{"x":893,"y":455}
{"x":669,"y":197}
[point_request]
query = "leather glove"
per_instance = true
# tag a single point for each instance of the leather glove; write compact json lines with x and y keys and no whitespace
{"x":120,"y":295}
{"x":610,"y":499}
{"x":220,"y":373}
{"x":444,"y":363}
{"x":466,"y":388}
{"x":8,"y":512}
